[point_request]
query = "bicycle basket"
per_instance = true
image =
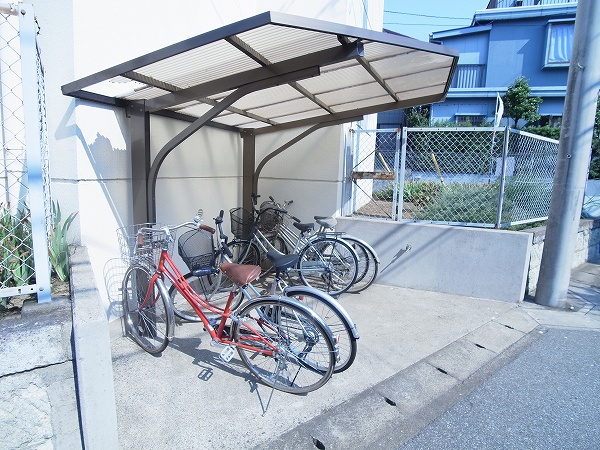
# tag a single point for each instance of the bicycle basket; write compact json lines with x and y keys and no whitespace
{"x":196,"y":248}
{"x":143,"y":243}
{"x":270,"y":219}
{"x":242,"y":222}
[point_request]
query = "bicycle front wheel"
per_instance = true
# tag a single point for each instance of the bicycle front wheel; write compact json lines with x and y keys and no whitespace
{"x":285,"y":344}
{"x":146,"y":313}
{"x":328,"y":264}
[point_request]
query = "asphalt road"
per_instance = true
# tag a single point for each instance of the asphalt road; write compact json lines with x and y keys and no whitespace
{"x":547,"y":397}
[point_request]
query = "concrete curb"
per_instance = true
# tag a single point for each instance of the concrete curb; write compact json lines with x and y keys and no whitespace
{"x":393,"y":411}
{"x":94,"y":374}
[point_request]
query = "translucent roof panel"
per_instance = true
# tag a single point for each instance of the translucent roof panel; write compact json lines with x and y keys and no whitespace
{"x":278,"y":71}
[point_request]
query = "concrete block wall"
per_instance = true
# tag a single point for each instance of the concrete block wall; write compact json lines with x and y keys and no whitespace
{"x":587,"y":249}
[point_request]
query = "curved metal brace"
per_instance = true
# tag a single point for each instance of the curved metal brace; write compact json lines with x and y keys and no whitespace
{"x":293,"y":141}
{"x":207,"y":117}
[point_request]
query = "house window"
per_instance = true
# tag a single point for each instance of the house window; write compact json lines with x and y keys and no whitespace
{"x":474,"y":120}
{"x":553,"y":121}
{"x":468,"y":76}
{"x":559,"y":42}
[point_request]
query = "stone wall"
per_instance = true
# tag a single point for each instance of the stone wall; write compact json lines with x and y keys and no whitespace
{"x":56,"y":381}
{"x":586,"y":249}
{"x":38,"y":401}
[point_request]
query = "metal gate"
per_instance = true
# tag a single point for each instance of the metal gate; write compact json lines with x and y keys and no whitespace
{"x":487,"y":177}
{"x":25,"y":206}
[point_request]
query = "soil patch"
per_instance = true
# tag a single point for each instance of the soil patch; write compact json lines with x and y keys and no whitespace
{"x":11,"y":306}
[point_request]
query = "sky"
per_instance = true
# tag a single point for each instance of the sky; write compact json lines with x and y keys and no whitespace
{"x":418,"y":18}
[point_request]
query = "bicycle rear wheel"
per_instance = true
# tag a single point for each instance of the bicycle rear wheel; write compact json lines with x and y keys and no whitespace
{"x":337,"y":319}
{"x":368,"y":264}
{"x":290,"y":347}
{"x":328,"y":264}
{"x":147,"y":315}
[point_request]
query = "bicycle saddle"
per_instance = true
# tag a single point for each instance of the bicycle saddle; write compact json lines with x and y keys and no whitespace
{"x":304,"y":227}
{"x":240,"y":274}
{"x":282,"y":262}
{"x":327,"y":222}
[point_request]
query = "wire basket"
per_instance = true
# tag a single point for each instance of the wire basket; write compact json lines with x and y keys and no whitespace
{"x":143,"y":243}
{"x":242,"y":223}
{"x":197,"y":249}
{"x":270,"y":218}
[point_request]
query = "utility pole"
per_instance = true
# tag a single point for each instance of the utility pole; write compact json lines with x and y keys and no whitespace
{"x":574,"y":150}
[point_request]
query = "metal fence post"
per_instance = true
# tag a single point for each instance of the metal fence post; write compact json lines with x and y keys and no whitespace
{"x":33,"y":143}
{"x":502,"y":176}
{"x":402,"y":135}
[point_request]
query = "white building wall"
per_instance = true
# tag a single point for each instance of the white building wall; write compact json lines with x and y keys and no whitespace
{"x":90,"y":160}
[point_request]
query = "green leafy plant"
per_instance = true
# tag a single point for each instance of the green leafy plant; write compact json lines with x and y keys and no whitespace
{"x":58,"y":248}
{"x":518,"y":103}
{"x":595,"y":162}
{"x":16,"y":255}
{"x":462,"y":202}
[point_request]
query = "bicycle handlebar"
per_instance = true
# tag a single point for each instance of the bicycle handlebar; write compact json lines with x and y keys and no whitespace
{"x":222,"y":236}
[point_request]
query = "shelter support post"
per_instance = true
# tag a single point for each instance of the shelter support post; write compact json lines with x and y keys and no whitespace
{"x":248,"y":162}
{"x":574,"y":150}
{"x":140,"y":160}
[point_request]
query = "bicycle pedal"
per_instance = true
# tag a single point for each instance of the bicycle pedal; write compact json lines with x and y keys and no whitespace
{"x":227,"y":353}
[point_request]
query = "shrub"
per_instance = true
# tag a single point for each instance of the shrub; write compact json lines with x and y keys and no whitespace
{"x":462,"y":202}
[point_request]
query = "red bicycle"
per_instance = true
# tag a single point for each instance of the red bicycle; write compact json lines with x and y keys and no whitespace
{"x":282,"y":342}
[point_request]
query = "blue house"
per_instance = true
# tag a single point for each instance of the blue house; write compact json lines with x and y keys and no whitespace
{"x":510,"y":38}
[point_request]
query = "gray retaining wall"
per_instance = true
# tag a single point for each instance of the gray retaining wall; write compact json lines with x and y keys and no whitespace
{"x":475,"y":262}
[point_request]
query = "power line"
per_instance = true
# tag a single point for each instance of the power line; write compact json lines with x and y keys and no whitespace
{"x":366,"y":13}
{"x":422,"y":24}
{"x":425,"y":15}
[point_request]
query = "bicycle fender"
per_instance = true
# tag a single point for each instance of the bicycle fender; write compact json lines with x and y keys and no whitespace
{"x":328,"y":300}
{"x":164,"y":292}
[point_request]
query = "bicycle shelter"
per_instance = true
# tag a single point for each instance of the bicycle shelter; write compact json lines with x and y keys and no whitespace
{"x":268,"y":73}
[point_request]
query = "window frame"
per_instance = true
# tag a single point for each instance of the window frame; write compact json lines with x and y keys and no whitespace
{"x":549,"y":26}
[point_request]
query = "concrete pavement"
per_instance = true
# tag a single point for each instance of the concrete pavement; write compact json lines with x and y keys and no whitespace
{"x":417,"y":350}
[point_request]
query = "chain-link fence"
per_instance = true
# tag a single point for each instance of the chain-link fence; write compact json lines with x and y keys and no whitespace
{"x":466,"y":176}
{"x":25,"y":206}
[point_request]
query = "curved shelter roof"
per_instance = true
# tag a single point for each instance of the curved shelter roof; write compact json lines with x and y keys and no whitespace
{"x":275,"y":71}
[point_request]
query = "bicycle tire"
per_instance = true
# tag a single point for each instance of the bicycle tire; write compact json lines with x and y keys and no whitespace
{"x":304,"y":356}
{"x":336,"y":318}
{"x":148,"y":322}
{"x":368,"y":264}
{"x":328,"y":264}
{"x":244,"y":252}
